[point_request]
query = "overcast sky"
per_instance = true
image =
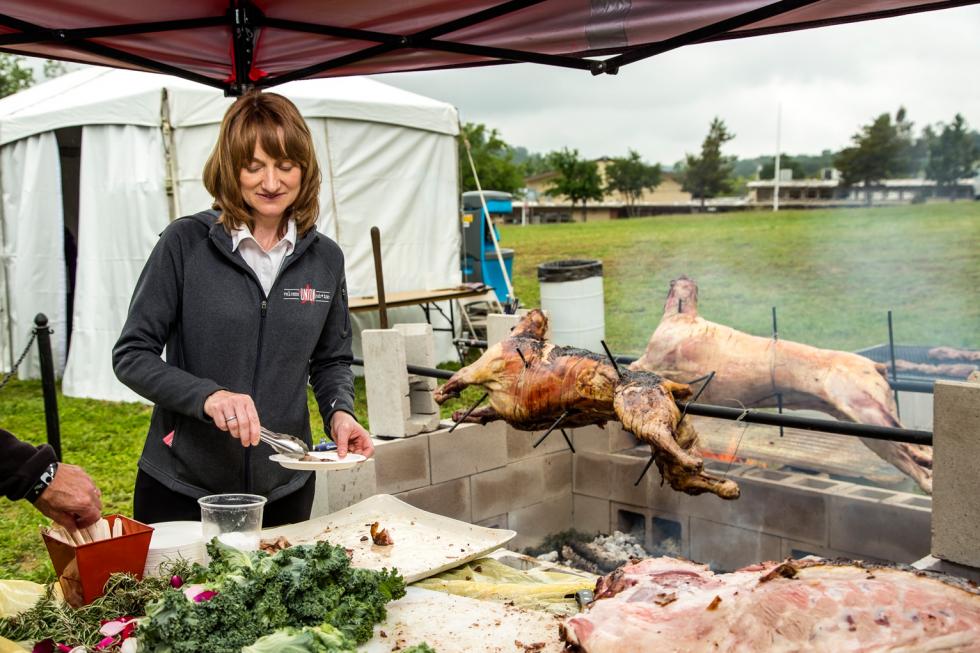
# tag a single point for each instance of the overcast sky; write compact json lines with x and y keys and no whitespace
{"x":829,"y":81}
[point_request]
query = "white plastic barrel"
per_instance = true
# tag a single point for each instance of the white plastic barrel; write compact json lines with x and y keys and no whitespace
{"x":571,"y":294}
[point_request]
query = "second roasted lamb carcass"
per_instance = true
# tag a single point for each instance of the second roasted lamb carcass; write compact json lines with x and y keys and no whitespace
{"x":531,"y":383}
{"x":750,"y":370}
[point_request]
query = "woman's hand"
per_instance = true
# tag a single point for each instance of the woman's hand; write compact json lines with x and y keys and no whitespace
{"x":348,"y":434}
{"x":235,"y":413}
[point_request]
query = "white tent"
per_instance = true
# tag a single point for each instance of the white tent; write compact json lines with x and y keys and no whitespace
{"x":131,"y":146}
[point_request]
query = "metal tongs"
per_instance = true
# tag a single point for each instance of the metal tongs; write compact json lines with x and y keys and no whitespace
{"x":287,"y":445}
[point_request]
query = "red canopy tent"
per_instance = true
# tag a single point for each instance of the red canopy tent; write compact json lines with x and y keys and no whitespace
{"x":237,"y":44}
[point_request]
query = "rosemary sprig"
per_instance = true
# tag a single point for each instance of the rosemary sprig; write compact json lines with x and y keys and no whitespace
{"x":52,"y":618}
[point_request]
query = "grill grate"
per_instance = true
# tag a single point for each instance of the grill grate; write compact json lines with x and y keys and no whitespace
{"x":911,"y":353}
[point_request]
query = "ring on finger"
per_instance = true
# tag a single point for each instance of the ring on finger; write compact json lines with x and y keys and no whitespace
{"x":231,"y":419}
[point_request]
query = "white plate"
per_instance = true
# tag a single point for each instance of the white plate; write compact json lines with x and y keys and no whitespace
{"x":425,"y":543}
{"x":329,"y":461}
{"x":172,"y":540}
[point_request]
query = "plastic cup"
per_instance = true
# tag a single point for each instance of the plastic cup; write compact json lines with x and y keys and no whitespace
{"x":235,"y":519}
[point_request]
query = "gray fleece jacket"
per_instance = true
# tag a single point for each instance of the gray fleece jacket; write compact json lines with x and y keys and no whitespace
{"x":205,"y":304}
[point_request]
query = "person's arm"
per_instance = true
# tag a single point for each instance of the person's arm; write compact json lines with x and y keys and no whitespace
{"x":333,"y":380}
{"x":65,"y":493}
{"x":21,"y":464}
{"x":153,"y":314}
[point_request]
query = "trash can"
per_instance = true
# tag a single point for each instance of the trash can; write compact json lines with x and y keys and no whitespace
{"x":571,"y":293}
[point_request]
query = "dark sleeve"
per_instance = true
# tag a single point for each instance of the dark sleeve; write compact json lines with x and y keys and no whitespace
{"x":330,"y":373}
{"x":153,"y":315}
{"x":21,"y":464}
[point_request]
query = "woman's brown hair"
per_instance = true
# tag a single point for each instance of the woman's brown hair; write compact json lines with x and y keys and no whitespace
{"x":258,"y":117}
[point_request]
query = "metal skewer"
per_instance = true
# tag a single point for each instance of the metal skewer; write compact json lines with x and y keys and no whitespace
{"x":468,"y":411}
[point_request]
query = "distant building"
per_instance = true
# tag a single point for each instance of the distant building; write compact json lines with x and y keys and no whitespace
{"x":828,"y":192}
{"x":542,"y":206}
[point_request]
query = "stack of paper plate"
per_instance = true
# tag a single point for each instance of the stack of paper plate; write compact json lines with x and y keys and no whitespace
{"x":173,"y":540}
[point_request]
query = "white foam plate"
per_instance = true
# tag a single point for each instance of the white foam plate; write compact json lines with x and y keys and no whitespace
{"x":173,"y":540}
{"x":328,"y":461}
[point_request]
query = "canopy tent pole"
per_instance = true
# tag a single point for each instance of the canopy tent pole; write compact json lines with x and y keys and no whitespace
{"x":172,"y":185}
{"x":511,"y":299}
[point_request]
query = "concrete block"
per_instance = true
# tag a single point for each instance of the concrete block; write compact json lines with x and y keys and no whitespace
{"x":590,"y":515}
{"x":345,"y":487}
{"x":771,"y":502}
{"x":493,"y":493}
{"x":537,"y":521}
{"x":420,"y":350}
{"x":917,"y":410}
{"x":470,"y":449}
{"x":521,"y":484}
{"x":726,"y":548}
{"x":797,"y":550}
{"x":497,"y":521}
{"x":634,"y":520}
{"x":669,"y":534}
{"x":402,"y":464}
{"x":603,"y":439}
{"x":386,"y":382}
{"x":591,"y":474}
{"x":623,"y":472}
{"x":876,"y":523}
{"x":499,"y":326}
{"x":451,"y":499}
{"x":956,"y":483}
{"x":520,"y":444}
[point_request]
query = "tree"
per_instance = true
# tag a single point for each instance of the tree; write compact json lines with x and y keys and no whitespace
{"x":54,"y":68}
{"x":631,"y":176}
{"x":13,"y":76}
{"x":493,"y":158}
{"x":952,"y":154}
{"x":578,"y":180}
{"x":879,"y":152}
{"x":532,"y":163}
{"x":786,"y":162}
{"x":709,"y":175}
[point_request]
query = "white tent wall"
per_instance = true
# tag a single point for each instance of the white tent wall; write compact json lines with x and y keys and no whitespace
{"x":33,"y":247}
{"x":122,"y":210}
{"x":402,"y":181}
{"x":387,"y":157}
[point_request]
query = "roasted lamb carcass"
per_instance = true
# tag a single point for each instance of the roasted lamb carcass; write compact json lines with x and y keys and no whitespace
{"x":750,"y":370}
{"x":665,"y":604}
{"x":531,"y":383}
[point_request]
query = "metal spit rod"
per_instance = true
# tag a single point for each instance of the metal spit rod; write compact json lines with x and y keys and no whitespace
{"x":924,"y":387}
{"x":911,"y":436}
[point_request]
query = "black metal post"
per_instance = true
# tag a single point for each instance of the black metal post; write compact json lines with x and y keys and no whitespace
{"x":779,"y":395}
{"x":47,"y":382}
{"x":891,"y":355}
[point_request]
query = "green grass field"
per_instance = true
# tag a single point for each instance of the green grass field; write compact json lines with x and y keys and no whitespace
{"x":832,"y":274}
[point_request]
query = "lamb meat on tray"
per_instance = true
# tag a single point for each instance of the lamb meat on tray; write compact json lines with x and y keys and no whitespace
{"x":531,"y":383}
{"x":666,"y":604}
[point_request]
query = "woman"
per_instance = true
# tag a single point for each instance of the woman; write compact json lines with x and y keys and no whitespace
{"x":250,"y":302}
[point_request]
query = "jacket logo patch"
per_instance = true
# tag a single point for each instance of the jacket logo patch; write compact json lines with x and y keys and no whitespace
{"x":306,"y":295}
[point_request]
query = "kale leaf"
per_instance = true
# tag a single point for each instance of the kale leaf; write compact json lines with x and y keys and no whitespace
{"x":259,"y":594}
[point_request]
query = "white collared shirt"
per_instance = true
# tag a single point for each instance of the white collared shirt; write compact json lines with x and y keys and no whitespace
{"x":265,"y":264}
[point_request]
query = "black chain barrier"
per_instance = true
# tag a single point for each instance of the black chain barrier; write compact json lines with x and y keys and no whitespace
{"x":13,"y":370}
